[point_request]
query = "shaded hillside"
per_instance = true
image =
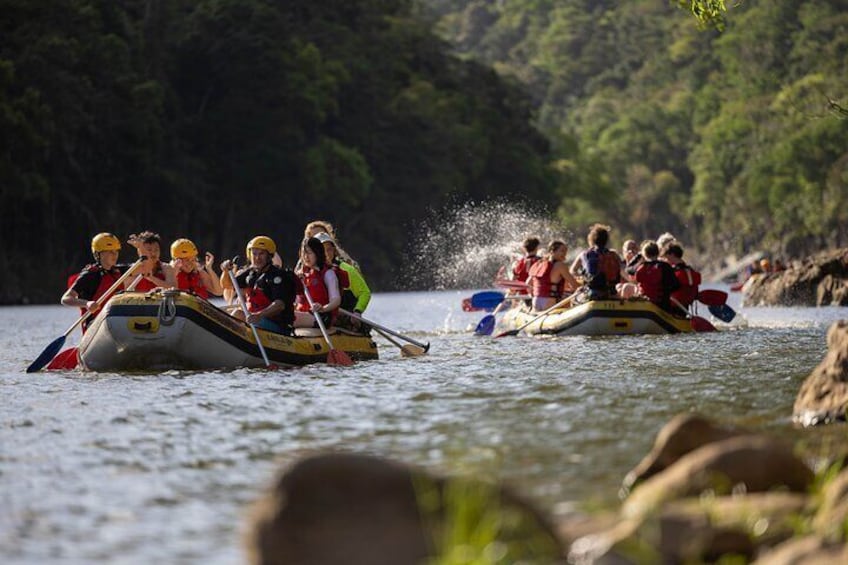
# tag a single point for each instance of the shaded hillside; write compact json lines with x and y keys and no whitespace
{"x":221,"y":119}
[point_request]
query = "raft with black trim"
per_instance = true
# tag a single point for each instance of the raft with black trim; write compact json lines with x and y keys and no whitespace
{"x":599,"y":317}
{"x":165,"y":330}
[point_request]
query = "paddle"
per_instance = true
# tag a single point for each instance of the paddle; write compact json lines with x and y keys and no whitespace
{"x":487,"y":324}
{"x":240,"y":298}
{"x":712,"y":297}
{"x":487,"y":299}
{"x":559,"y":304}
{"x":51,"y":350}
{"x":716,"y":301}
{"x":334,"y":356}
{"x":514,"y":285}
{"x":64,"y":361}
{"x":407,"y":350}
{"x":422,"y":347}
{"x":699,"y":324}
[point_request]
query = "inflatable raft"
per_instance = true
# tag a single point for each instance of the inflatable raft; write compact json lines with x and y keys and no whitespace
{"x":598,"y":317}
{"x":164,"y":330}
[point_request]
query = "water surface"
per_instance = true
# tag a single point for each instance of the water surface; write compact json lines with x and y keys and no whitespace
{"x":140,"y":468}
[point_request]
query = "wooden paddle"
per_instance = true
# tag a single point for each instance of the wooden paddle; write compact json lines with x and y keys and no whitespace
{"x":559,"y":304}
{"x":51,"y":350}
{"x":406,"y":350}
{"x":420,"y":349}
{"x":240,"y":298}
{"x":334,"y":356}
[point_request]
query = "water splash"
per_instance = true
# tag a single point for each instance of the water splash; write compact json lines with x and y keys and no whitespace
{"x":463,"y":246}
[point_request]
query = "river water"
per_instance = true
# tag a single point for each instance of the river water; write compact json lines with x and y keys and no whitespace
{"x":146,"y":468}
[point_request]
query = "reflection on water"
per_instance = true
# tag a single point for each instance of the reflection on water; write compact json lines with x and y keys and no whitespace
{"x":162,"y":467}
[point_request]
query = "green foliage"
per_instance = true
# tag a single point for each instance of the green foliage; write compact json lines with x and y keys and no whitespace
{"x":220,"y":119}
{"x":730,"y":134}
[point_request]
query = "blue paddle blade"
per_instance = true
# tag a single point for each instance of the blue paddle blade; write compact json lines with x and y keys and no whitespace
{"x":486,"y":325}
{"x":723,"y":312}
{"x":49,"y":353}
{"x":487,"y":299}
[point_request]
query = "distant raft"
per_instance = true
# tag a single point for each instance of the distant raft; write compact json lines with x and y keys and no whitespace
{"x":169,"y":329}
{"x":598,"y":317}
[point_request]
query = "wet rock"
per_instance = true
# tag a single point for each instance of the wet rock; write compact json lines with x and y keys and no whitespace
{"x":824,"y":395}
{"x":821,"y":280}
{"x":681,"y":435}
{"x":739,"y":465}
{"x":357,"y":509}
{"x":809,"y":550}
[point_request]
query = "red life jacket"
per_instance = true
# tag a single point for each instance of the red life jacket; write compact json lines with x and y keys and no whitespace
{"x":344,"y":278}
{"x":313,"y":280}
{"x":689,"y":280}
{"x":521,"y":270}
{"x":107,"y":279}
{"x":144,"y":285}
{"x":192,"y":283}
{"x":649,"y":275}
{"x":540,"y":280}
{"x":255,"y":299}
{"x":602,"y":267}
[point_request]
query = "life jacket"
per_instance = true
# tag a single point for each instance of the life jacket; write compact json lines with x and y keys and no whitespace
{"x":107,"y":279}
{"x":651,"y":283}
{"x":144,"y":285}
{"x":521,"y":270}
{"x":313,"y":280}
{"x":344,"y":278}
{"x":689,"y":280}
{"x":602,"y":268}
{"x":540,"y":280}
{"x":192,"y":283}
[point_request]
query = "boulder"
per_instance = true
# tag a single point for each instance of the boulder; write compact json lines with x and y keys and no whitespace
{"x":359,"y":509}
{"x":736,"y":465}
{"x":821,"y":280}
{"x":681,"y":435}
{"x":824,"y":395}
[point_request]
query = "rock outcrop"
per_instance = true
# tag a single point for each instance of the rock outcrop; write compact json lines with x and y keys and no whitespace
{"x":823,"y":397}
{"x":821,"y":280}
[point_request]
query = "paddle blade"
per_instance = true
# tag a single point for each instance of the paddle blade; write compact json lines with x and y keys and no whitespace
{"x":700,"y":324}
{"x":723,"y":312}
{"x":339,"y":357}
{"x":486,"y":325}
{"x":65,"y":361}
{"x":507,"y":333}
{"x":487,"y":299}
{"x":412,"y":351}
{"x":49,"y":353}
{"x":712,"y":297}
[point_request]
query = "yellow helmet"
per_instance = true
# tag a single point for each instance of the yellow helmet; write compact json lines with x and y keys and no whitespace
{"x":261,"y":242}
{"x":105,"y":241}
{"x":183,"y":249}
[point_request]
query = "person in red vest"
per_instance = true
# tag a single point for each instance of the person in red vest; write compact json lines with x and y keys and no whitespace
{"x":95,"y":279}
{"x":549,"y":278}
{"x":269,"y":290}
{"x":318,"y":276}
{"x":154,"y":272}
{"x":191,"y":276}
{"x":521,"y":268}
{"x":656,"y":278}
{"x":688,"y":277}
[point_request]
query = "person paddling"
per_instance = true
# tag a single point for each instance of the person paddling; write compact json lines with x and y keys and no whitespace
{"x":154,"y":272}
{"x":323,"y":284}
{"x":549,"y":278}
{"x":656,"y":278}
{"x":269,"y":290}
{"x":688,"y":277}
{"x":190,"y":274}
{"x":95,"y":279}
{"x":354,"y":290}
{"x":600,"y":266}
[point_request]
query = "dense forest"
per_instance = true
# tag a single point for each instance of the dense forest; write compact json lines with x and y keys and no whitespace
{"x":733,"y":133}
{"x":221,"y":119}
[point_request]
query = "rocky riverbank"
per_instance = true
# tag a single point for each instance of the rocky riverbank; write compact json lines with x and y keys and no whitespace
{"x":821,"y":280}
